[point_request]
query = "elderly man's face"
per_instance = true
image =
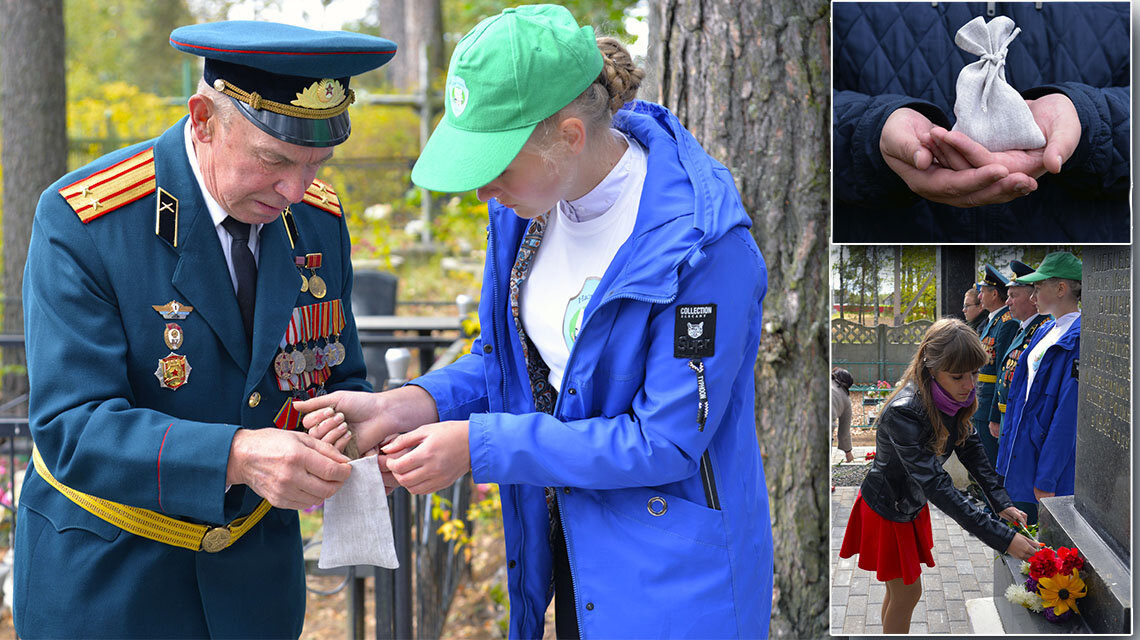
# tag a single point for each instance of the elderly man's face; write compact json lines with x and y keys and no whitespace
{"x":253,"y":175}
{"x":990,"y":298}
{"x":1021,"y":304}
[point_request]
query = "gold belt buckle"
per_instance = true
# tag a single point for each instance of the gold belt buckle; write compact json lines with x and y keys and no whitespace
{"x":216,"y":539}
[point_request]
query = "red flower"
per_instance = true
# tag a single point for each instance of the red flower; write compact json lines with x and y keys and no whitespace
{"x":1044,"y":563}
{"x":1070,"y":559}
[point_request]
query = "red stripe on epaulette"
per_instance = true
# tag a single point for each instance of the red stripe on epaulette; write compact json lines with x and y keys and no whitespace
{"x":322,"y":196}
{"x":113,"y":187}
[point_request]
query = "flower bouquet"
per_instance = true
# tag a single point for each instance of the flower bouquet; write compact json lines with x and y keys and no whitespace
{"x":1053,"y":584}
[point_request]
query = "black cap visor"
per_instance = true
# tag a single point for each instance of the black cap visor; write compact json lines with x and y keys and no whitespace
{"x":327,"y":132}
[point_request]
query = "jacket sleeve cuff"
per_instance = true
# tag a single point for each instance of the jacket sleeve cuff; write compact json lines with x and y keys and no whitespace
{"x":455,"y":398}
{"x":190,"y":480}
{"x":479,"y":445}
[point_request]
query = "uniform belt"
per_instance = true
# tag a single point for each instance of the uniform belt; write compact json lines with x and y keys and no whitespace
{"x":153,"y":525}
{"x":987,"y":377}
{"x":1001,"y":407}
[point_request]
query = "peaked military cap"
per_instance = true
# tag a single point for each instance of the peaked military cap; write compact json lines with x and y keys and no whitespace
{"x":1019,"y":269}
{"x":994,"y":278}
{"x":291,"y":82}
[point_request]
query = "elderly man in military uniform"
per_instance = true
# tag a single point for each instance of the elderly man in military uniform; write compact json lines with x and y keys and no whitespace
{"x":1023,"y":308}
{"x":996,"y":335}
{"x":178,"y":295}
{"x":973,"y":311}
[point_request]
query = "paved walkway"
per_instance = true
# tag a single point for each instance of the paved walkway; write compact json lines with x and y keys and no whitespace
{"x":963,"y":570}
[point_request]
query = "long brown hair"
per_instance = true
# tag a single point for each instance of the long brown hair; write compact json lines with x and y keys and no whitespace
{"x":949,"y":345}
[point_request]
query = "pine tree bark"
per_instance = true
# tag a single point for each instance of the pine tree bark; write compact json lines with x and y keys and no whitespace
{"x":751,"y":81}
{"x":33,"y":124}
{"x":412,"y":25}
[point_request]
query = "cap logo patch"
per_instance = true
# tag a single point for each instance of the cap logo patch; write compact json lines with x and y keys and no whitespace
{"x":457,"y":95}
{"x":322,"y":94}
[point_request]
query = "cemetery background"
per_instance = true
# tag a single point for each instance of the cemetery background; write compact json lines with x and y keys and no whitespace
{"x":112,"y":84}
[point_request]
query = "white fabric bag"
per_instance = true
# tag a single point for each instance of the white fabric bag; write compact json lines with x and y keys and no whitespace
{"x":357,"y":527}
{"x":988,"y":109}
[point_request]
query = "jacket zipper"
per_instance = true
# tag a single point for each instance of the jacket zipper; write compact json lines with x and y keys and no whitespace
{"x":496,"y":300}
{"x":558,"y":414}
{"x":709,"y":482}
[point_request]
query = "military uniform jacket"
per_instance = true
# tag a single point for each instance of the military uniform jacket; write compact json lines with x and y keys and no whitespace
{"x":105,"y":424}
{"x":996,"y":336}
{"x":1009,"y":362}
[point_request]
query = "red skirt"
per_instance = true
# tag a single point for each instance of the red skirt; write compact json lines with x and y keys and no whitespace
{"x":890,"y":549}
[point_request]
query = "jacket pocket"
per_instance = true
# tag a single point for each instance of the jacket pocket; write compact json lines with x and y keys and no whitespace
{"x":708,"y":481}
{"x":667,"y":513}
{"x":70,"y":517}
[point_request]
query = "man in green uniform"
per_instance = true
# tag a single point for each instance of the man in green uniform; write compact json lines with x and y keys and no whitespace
{"x":996,"y":335}
{"x":178,"y":295}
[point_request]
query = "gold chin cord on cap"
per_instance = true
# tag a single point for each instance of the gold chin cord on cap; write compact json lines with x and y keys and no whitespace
{"x":257,"y":102}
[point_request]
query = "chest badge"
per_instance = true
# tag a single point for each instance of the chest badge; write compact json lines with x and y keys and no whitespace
{"x":173,"y":371}
{"x":172,"y":335}
{"x":173,"y":310}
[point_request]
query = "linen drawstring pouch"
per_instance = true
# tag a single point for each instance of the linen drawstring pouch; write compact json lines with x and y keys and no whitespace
{"x":357,"y":526}
{"x":987,"y":108}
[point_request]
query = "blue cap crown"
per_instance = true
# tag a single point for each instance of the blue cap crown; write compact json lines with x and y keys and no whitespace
{"x":291,"y":82}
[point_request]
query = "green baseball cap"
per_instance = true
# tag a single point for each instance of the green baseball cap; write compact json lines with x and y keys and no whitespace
{"x":509,"y":73}
{"x":1059,"y":264}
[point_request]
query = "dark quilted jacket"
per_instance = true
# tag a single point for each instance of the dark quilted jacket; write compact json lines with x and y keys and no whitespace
{"x":892,"y":55}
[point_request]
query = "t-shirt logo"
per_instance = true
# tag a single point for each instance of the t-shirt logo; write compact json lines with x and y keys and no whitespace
{"x":457,"y":95}
{"x":575,"y":309}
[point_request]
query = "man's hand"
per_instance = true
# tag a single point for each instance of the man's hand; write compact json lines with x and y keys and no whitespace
{"x":995,"y":429}
{"x":430,"y":458}
{"x":372,"y":417}
{"x":291,"y":470}
{"x":1058,"y":120}
{"x":908,"y":148}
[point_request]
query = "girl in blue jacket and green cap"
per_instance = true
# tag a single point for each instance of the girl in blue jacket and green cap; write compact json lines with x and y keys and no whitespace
{"x":1038,"y":450}
{"x":611,"y":393}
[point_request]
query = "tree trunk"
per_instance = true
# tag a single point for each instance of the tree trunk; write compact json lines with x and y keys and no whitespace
{"x":751,"y":81}
{"x":412,"y":25}
{"x":33,"y":124}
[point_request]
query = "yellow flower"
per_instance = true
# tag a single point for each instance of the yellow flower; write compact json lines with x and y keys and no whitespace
{"x":1061,"y":592}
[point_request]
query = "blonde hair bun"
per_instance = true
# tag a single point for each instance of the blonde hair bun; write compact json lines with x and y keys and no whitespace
{"x":620,"y":76}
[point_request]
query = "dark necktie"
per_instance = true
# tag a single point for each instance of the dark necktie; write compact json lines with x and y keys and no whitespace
{"x":245,"y":269}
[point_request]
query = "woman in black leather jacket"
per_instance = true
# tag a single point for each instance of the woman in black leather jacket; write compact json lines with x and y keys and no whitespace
{"x":924,"y":421}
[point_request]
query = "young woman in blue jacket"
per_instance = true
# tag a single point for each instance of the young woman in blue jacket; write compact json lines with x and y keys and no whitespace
{"x":611,"y":393}
{"x":1037,"y":452}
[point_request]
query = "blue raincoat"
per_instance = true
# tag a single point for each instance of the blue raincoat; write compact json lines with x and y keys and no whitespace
{"x":662,"y":540}
{"x":1039,"y":439}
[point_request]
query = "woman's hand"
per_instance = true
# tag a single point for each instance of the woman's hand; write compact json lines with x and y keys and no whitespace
{"x":1021,"y":547}
{"x":371,"y":417}
{"x":430,"y":458}
{"x":1013,"y":514}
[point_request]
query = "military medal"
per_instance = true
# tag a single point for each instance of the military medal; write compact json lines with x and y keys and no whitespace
{"x":304,"y":284}
{"x":283,"y":365}
{"x":300,"y":262}
{"x":172,"y":335}
{"x":317,"y":285}
{"x":173,"y":371}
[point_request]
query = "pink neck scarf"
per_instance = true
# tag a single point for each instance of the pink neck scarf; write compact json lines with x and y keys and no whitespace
{"x":947,"y":404}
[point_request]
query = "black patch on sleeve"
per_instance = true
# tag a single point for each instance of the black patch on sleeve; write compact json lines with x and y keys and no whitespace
{"x":694,"y":331}
{"x":1076,"y":367}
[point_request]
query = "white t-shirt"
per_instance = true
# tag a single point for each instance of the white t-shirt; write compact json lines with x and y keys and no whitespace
{"x":580,"y":241}
{"x":1059,"y":328}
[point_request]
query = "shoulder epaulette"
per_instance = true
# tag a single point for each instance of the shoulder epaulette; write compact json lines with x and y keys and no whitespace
{"x":321,"y":196}
{"x":106,"y":190}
